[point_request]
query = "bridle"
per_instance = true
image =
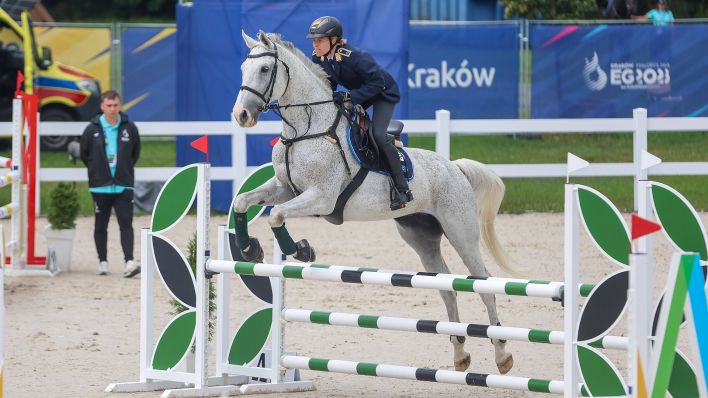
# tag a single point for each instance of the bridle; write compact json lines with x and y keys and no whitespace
{"x":330,"y":133}
{"x":266,"y":95}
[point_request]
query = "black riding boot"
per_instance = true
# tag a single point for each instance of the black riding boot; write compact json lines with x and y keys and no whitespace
{"x":400,"y":193}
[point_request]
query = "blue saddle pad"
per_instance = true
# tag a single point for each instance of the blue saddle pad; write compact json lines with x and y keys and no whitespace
{"x":354,"y":140}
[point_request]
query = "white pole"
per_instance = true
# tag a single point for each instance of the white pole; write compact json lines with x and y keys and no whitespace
{"x":2,"y":306}
{"x":640,"y":144}
{"x":17,"y":233}
{"x":146,"y":301}
{"x":238,"y":155}
{"x":442,"y":136}
{"x":222,"y":306}
{"x":640,"y":294}
{"x":37,"y":195}
{"x":203,"y":247}
{"x":277,"y":375}
{"x":571,"y":376}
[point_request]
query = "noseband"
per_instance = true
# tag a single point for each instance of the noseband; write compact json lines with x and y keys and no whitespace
{"x":266,"y":95}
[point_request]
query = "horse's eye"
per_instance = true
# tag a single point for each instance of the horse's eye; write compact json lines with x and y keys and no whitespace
{"x":265,"y":69}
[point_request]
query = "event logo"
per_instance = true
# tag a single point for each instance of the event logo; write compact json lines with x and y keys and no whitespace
{"x":640,"y":75}
{"x":444,"y":77}
{"x":595,"y":77}
{"x":626,"y":75}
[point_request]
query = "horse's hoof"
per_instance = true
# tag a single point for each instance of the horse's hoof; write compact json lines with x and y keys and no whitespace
{"x":254,"y":251}
{"x":463,"y":363}
{"x":505,"y":365}
{"x":305,"y":252}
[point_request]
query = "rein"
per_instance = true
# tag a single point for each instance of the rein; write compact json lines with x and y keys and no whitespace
{"x":330,"y":133}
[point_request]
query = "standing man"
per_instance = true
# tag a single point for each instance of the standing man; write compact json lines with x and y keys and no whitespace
{"x":110,"y":147}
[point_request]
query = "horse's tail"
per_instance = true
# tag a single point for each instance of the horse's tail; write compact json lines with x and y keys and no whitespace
{"x":489,"y":192}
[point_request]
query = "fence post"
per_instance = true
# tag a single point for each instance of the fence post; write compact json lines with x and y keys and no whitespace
{"x":238,"y":155}
{"x":442,"y":136}
{"x":640,"y":144}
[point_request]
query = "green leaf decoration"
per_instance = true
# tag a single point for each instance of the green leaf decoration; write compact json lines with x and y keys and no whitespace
{"x":175,"y":199}
{"x":258,"y":177}
{"x":679,"y":220}
{"x":604,"y":224}
{"x":601,"y":377}
{"x":683,"y":381}
{"x":175,"y":341}
{"x":251,"y":337}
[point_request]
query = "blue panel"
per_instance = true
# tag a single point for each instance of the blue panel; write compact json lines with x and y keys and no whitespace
{"x":607,"y":70}
{"x":150,"y":73}
{"x":211,"y":50}
{"x":473,"y":71}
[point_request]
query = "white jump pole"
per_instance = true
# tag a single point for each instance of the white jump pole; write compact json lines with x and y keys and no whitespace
{"x":571,"y":374}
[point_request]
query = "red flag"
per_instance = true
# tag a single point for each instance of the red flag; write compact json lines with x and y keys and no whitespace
{"x":20,"y":80}
{"x":201,"y":144}
{"x":274,"y":141}
{"x":642,"y":226}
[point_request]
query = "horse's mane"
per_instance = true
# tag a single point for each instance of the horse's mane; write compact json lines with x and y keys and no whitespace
{"x":313,"y":67}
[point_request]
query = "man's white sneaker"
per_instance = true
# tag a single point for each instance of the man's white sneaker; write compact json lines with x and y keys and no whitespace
{"x":103,"y":268}
{"x":131,"y":269}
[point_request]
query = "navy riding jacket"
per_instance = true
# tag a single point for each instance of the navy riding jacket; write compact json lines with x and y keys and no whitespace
{"x":357,"y":71}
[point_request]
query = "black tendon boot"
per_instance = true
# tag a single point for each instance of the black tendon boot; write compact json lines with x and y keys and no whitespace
{"x":400,"y":193}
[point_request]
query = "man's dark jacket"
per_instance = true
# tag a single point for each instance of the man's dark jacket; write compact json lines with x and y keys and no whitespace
{"x":93,"y":153}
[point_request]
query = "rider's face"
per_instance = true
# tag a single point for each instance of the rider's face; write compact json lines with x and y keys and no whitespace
{"x":321,"y":45}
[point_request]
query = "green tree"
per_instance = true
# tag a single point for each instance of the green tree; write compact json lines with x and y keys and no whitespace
{"x":552,"y":9}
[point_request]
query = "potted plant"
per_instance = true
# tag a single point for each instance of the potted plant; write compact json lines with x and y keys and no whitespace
{"x":63,"y":209}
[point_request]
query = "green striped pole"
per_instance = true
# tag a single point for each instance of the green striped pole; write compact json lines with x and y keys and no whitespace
{"x":583,"y":288}
{"x":439,"y":327}
{"x":424,"y":374}
{"x":383,"y":278}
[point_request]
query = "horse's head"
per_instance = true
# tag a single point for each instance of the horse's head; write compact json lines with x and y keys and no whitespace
{"x":265,"y":77}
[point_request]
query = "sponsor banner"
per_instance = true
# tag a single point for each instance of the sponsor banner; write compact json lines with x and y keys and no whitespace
{"x":88,"y":49}
{"x":607,"y":70}
{"x":470,"y":70}
{"x":150,"y":73}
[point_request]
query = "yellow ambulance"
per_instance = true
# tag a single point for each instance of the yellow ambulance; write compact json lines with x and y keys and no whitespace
{"x":65,"y":93}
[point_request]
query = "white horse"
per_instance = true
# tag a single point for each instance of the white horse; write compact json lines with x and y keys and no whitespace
{"x":451,"y":197}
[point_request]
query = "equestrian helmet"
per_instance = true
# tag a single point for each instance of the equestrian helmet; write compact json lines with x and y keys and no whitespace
{"x":325,"y":27}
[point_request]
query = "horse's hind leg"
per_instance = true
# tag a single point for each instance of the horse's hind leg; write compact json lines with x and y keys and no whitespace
{"x":422,"y":232}
{"x":463,"y":233}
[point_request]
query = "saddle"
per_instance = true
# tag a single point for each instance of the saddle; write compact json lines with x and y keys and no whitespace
{"x":360,"y":138}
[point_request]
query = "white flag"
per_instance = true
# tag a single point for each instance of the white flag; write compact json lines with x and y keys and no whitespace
{"x":576,"y":163}
{"x":647,"y":160}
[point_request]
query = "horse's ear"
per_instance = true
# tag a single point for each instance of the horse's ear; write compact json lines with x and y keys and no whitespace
{"x":250,"y":42}
{"x":264,"y":38}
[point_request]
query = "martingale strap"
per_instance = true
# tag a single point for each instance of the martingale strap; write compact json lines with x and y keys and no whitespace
{"x":330,"y":134}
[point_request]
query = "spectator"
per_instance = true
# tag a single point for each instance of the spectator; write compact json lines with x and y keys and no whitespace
{"x":661,"y":15}
{"x":110,"y":147}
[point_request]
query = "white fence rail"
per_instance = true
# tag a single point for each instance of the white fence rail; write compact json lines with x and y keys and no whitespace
{"x":442,"y":126}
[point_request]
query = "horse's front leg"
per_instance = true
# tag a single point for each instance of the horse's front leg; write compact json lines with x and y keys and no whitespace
{"x":270,"y":193}
{"x":309,"y":203}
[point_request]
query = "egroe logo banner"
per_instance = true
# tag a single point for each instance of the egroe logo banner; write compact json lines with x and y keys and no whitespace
{"x":626,"y":75}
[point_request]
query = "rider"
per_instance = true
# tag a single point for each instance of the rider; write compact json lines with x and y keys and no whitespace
{"x":369,"y":84}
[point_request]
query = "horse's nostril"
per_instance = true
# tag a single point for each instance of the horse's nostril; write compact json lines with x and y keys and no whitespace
{"x":243,"y":116}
